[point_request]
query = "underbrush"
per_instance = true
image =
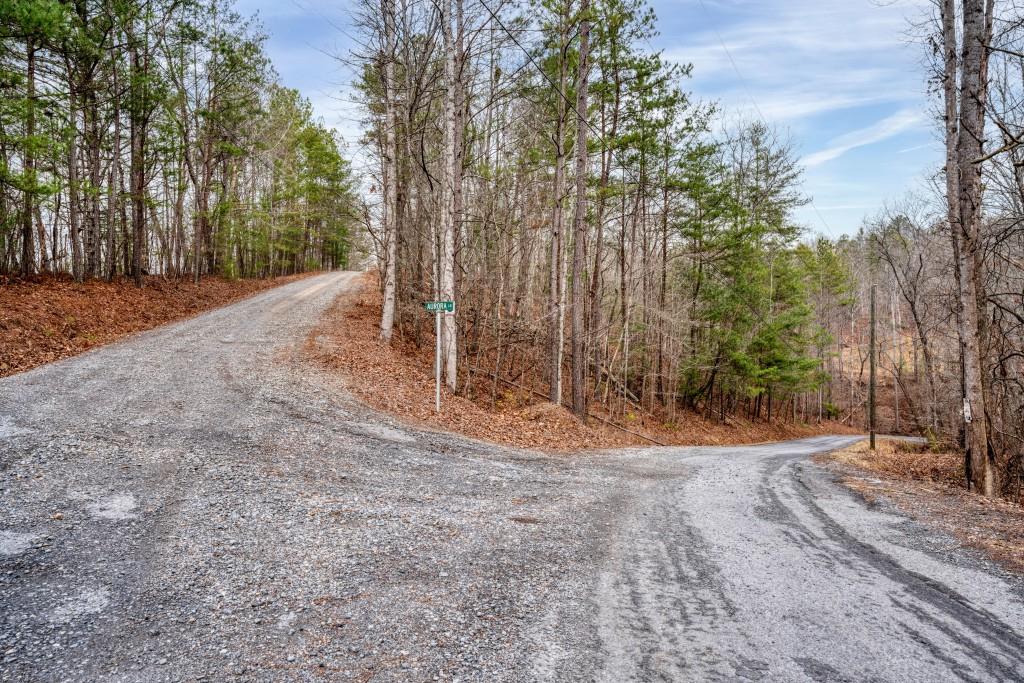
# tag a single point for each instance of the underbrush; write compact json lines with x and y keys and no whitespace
{"x":398,"y":378}
{"x":907,"y":460}
{"x":929,"y":484}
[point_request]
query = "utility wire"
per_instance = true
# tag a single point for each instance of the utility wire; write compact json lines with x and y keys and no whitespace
{"x":554,"y":86}
{"x":626,"y":170}
{"x":750,"y":95}
{"x":597,"y":133}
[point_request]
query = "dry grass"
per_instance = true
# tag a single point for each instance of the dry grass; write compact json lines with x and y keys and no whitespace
{"x":930,"y":487}
{"x":49,"y":318}
{"x":398,"y":379}
{"x":905,"y":460}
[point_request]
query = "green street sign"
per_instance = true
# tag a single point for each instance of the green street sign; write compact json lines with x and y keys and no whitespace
{"x":436,"y":306}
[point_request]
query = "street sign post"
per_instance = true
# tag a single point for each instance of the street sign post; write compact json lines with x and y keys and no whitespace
{"x":438,"y":308}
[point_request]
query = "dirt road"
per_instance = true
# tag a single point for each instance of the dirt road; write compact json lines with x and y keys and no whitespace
{"x":198,"y":503}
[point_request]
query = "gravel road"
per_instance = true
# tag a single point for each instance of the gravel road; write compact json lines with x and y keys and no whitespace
{"x":198,"y":503}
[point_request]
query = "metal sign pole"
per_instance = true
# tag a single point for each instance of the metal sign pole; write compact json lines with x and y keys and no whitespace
{"x":437,"y":365}
{"x":438,"y":308}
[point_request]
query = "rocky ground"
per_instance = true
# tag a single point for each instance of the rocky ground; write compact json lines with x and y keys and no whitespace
{"x":50,"y":317}
{"x":199,"y":502}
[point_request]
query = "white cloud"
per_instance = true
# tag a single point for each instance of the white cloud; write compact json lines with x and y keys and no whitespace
{"x":927,"y":145}
{"x":886,"y":128}
{"x":800,"y":58}
{"x":836,"y":75}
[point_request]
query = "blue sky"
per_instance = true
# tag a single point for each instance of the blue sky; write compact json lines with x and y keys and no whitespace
{"x":840,"y":77}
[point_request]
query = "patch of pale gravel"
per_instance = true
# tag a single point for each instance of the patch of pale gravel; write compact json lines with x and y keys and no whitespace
{"x":9,"y":430}
{"x":88,"y":600}
{"x":14,"y":543}
{"x":117,"y":507}
{"x":385,"y":432}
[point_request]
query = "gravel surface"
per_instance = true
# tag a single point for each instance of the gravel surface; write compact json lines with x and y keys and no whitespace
{"x":199,"y":503}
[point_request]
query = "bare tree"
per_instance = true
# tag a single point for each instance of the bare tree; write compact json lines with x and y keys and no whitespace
{"x":390,"y":179}
{"x":449,"y":176}
{"x":579,"y":354}
{"x":965,"y":112}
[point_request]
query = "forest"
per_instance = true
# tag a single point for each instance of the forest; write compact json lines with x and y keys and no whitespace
{"x":511,"y":340}
{"x":154,"y":138}
{"x":612,"y":244}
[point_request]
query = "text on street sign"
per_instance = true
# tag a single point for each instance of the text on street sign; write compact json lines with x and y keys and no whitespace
{"x":435,"y":306}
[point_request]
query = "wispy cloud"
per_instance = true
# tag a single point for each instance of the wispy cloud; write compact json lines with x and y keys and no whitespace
{"x":837,"y":75}
{"x":800,"y":58}
{"x":899,"y":122}
{"x":927,"y":145}
{"x":830,"y":72}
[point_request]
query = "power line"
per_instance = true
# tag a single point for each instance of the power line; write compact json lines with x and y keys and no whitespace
{"x":626,"y":170}
{"x":743,"y":81}
{"x":554,"y":86}
{"x":750,"y":95}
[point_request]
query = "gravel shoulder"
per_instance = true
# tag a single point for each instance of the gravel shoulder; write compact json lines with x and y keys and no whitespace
{"x":929,"y":487}
{"x":198,"y":502}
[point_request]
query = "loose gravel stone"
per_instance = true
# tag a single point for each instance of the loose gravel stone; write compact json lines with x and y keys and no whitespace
{"x":229,"y":513}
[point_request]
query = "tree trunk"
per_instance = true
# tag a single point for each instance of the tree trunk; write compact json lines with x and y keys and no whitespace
{"x":556,"y":308}
{"x":114,"y":200}
{"x":663,"y":286}
{"x":73,"y":199}
{"x":93,"y":241}
{"x":28,"y":252}
{"x":390,"y":155}
{"x":964,"y":183}
{"x":448,"y":218}
{"x":138,"y":169}
{"x":579,"y":356}
{"x":596,"y":276}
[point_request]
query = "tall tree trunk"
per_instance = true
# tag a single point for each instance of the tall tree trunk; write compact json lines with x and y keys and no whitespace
{"x":449,"y":155}
{"x":556,"y":308}
{"x":114,"y":200}
{"x":179,"y":218}
{"x":966,"y":226}
{"x":579,"y":356}
{"x":92,"y":137}
{"x":138,"y":168}
{"x":28,"y":252}
{"x":663,"y":288}
{"x":951,"y":117}
{"x":390,"y":155}
{"x":73,"y":199}
{"x":596,"y":276}
{"x":457,"y":168}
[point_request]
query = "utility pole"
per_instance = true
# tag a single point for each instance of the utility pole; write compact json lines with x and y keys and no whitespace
{"x":871,"y":375}
{"x":897,"y":373}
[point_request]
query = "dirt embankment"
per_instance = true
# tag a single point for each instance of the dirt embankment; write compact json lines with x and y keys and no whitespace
{"x":50,"y":318}
{"x":930,"y":486}
{"x":398,"y":379}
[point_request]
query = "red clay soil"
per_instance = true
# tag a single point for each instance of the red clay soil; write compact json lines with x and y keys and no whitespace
{"x":49,"y":318}
{"x":930,"y":487}
{"x":398,"y":379}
